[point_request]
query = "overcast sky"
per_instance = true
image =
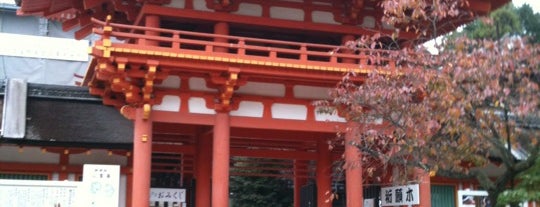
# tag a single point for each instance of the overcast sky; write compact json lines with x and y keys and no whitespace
{"x":535,"y":4}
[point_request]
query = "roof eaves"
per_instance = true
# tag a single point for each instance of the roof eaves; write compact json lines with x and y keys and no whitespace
{"x":8,"y":7}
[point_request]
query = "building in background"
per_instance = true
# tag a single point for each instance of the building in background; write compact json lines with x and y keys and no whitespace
{"x":207,"y":86}
{"x":38,"y":50}
{"x":66,"y":127}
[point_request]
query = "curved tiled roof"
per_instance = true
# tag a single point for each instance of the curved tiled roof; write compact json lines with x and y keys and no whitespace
{"x":70,"y":116}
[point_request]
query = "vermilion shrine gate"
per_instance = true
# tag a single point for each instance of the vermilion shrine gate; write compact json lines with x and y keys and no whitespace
{"x":213,"y":80}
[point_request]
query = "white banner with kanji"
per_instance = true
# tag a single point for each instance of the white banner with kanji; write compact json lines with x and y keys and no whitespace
{"x":400,"y":195}
{"x":167,"y":195}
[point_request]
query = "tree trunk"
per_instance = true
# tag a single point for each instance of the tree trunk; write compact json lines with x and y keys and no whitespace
{"x":492,"y":196}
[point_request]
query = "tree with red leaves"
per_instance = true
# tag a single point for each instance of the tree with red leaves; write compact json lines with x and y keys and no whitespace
{"x":473,"y":104}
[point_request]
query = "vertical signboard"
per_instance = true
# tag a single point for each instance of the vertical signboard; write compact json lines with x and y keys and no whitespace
{"x":100,"y":186}
{"x":14,"y":110}
{"x":400,"y":195}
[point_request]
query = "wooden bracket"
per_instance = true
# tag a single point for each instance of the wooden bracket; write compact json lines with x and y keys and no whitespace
{"x":106,"y":37}
{"x":227,"y":90}
{"x":144,"y":138}
{"x":148,"y":87}
{"x":147,"y":110}
{"x":128,"y":112}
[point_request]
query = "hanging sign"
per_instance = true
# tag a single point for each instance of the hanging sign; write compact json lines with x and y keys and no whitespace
{"x":400,"y":195}
{"x":43,"y":47}
{"x":168,"y":195}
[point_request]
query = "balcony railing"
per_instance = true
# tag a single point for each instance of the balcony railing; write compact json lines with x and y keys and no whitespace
{"x":246,"y":48}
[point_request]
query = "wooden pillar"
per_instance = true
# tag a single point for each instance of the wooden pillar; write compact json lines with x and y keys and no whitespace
{"x":151,"y":21}
{"x":142,"y":159}
{"x":64,"y":162}
{"x":353,"y":159}
{"x":221,"y":28}
{"x":324,"y":174}
{"x":142,"y":140}
{"x":221,"y":147}
{"x":129,"y":179}
{"x":203,"y":171}
{"x":300,"y":180}
{"x":424,"y":187}
{"x":353,"y":169}
{"x":220,"y":161}
{"x":344,"y":40}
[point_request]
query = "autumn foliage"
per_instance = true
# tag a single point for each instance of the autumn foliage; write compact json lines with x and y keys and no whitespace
{"x":476,"y":103}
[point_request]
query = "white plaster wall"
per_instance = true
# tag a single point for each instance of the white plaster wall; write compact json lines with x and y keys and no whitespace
{"x":200,"y":5}
{"x":176,"y":4}
{"x":198,"y":106}
{"x":289,"y":111}
{"x":199,"y":84}
{"x":171,"y":81}
{"x":249,"y":109}
{"x":249,"y":9}
{"x":262,"y":89}
{"x":98,"y":156}
{"x":368,"y":22}
{"x":311,"y":92}
{"x":323,"y":17}
{"x":27,"y":155}
{"x":328,"y":117}
{"x":55,"y":176}
{"x":169,"y":103}
{"x":286,"y":13}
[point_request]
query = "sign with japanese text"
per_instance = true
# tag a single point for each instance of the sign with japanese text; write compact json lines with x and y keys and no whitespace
{"x":400,"y":195}
{"x":32,"y":193}
{"x":101,"y":186}
{"x":167,"y":195}
{"x":31,"y":46}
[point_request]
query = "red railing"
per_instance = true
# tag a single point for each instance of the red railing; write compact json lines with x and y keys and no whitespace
{"x":246,"y":47}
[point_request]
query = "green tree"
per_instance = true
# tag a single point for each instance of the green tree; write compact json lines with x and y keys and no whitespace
{"x":507,"y":20}
{"x":503,"y":21}
{"x":530,"y":22}
{"x":251,"y":190}
{"x":528,"y":188}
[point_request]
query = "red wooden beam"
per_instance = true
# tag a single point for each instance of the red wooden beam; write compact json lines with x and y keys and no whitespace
{"x":45,"y":168}
{"x":276,"y":154}
{"x":149,"y":9}
{"x":188,"y":149}
{"x":89,"y":4}
{"x":248,"y":122}
{"x":480,"y":6}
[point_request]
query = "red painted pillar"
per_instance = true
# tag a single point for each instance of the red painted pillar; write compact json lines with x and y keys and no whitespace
{"x":151,"y":21}
{"x":344,"y":40}
{"x":324,"y":174}
{"x":220,"y":163}
{"x":129,"y":180}
{"x":221,"y":28}
{"x":299,"y":180}
{"x":425,"y":187}
{"x":142,"y":141}
{"x":353,"y":169}
{"x":203,"y":171}
{"x":64,"y":162}
{"x":142,"y":159}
